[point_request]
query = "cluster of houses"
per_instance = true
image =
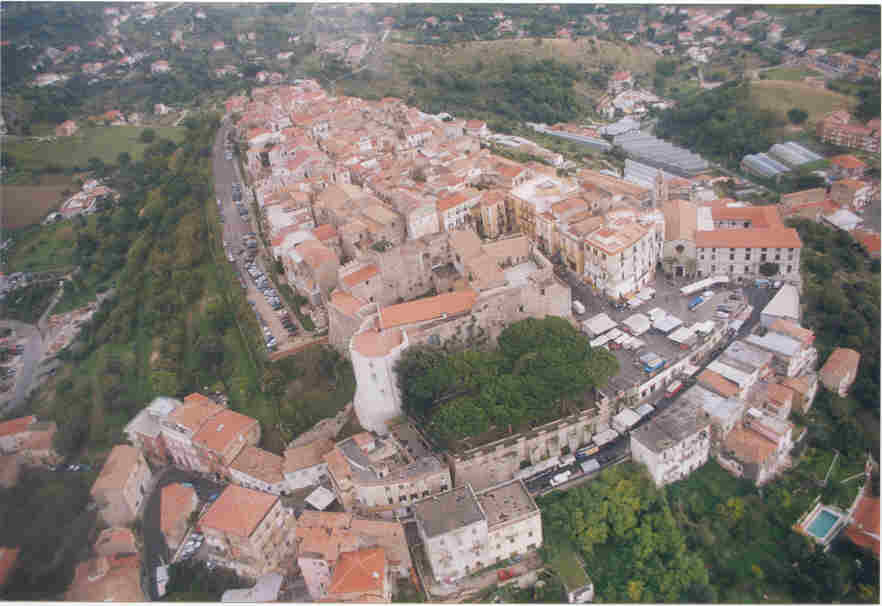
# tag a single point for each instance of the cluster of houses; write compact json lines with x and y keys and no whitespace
{"x":84,"y":202}
{"x":275,"y":513}
{"x":623,"y":99}
{"x":840,"y":128}
{"x":843,"y":63}
{"x":738,"y":411}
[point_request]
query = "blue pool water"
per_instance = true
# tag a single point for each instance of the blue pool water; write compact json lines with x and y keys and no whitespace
{"x":822,"y":524}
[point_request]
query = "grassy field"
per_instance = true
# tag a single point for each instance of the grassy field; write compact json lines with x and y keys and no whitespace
{"x":780,"y":95}
{"x":105,"y":142}
{"x":789,"y":73}
{"x":44,"y":248}
{"x":27,"y":204}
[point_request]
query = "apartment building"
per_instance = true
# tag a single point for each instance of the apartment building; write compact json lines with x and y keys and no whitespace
{"x":790,"y":356}
{"x":121,"y":486}
{"x":176,"y":503}
{"x":737,"y":241}
{"x":621,"y":256}
{"x":323,"y":539}
{"x":113,"y":574}
{"x":757,"y":448}
{"x":377,"y":475}
{"x":249,"y":531}
{"x":360,"y":576}
{"x":464,"y":531}
{"x":839,"y":128}
{"x":673,"y":444}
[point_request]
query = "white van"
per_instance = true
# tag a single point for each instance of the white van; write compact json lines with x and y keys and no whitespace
{"x":578,"y":307}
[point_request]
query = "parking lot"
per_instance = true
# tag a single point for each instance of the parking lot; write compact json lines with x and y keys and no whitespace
{"x":241,"y":248}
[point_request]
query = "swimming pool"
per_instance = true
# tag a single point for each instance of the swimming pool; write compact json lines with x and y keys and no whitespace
{"x":822,"y":524}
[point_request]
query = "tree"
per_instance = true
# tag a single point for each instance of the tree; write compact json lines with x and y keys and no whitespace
{"x":769,"y":269}
{"x":797,"y":115}
{"x":124,"y":159}
{"x":148,"y":135}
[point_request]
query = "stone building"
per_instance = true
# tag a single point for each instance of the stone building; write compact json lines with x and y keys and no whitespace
{"x":121,"y":486}
{"x":673,"y":444}
{"x":249,"y":531}
{"x":464,"y":531}
{"x":377,"y":475}
{"x":305,"y":465}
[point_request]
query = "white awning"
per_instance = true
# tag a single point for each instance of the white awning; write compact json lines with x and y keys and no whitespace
{"x":637,"y":324}
{"x":598,"y":325}
{"x":666,"y":324}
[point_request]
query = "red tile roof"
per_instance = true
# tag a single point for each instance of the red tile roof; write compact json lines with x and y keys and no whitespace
{"x":120,"y":465}
{"x":847,"y":161}
{"x":259,"y":464}
{"x":115,"y":541}
{"x":718,"y":383}
{"x":197,"y":409}
{"x":375,"y":344}
{"x":421,"y":310}
{"x":346,"y":303}
{"x":325,"y":232}
{"x":307,"y":455}
{"x":360,"y":275}
{"x":14,"y":426}
{"x":840,"y":361}
{"x":866,"y":520}
{"x":238,"y":511}
{"x":782,"y":237}
{"x":362,"y":572}
{"x":223,"y":429}
{"x":176,"y":502}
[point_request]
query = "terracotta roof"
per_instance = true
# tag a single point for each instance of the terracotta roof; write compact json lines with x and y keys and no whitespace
{"x":107,"y":579}
{"x":792,"y":329}
{"x":840,"y":361}
{"x":869,"y":240}
{"x":376,"y":344}
{"x":475,"y":123}
{"x":781,"y":237}
{"x":621,"y":75}
{"x":307,"y":455}
{"x":360,"y":275}
{"x":120,"y":465}
{"x":779,"y":393}
{"x":114,"y":541}
{"x":315,"y":254}
{"x":14,"y":426}
{"x":324,"y":519}
{"x":338,"y":464}
{"x":259,"y":464}
{"x":865,"y":520}
{"x":800,"y":385}
{"x":451,"y":201}
{"x":847,"y":161}
{"x":718,"y":383}
{"x":466,"y":243}
{"x":421,"y":310}
{"x":196,"y":410}
{"x":759,"y":216}
{"x":223,"y":429}
{"x":176,"y":502}
{"x":40,"y":439}
{"x":8,"y":558}
{"x":362,"y":572}
{"x":748,"y":446}
{"x":238,"y":511}
{"x":346,"y":303}
{"x":325,"y":232}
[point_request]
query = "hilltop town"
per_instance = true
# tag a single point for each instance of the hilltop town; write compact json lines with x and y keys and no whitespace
{"x":313,"y":345}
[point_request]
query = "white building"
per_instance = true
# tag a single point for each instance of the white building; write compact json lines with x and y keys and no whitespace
{"x":783,"y":306}
{"x":374,"y":355}
{"x":620,"y":257}
{"x":464,"y":532}
{"x":673,"y":444}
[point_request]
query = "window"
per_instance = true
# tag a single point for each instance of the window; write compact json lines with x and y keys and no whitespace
{"x":731,"y":257}
{"x":789,"y":268}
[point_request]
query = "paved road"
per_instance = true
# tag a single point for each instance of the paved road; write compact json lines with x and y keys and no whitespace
{"x":34,"y":350}
{"x":235,"y":227}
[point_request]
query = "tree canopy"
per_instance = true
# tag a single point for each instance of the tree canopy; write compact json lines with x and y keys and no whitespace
{"x":538,"y":365}
{"x":629,"y":537}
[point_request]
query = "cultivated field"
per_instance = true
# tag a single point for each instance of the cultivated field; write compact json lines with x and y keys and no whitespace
{"x":27,"y":204}
{"x":782,"y":95}
{"x":105,"y":142}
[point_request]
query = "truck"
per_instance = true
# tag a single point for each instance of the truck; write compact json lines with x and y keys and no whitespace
{"x":673,"y":388}
{"x":560,"y":478}
{"x":578,"y":307}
